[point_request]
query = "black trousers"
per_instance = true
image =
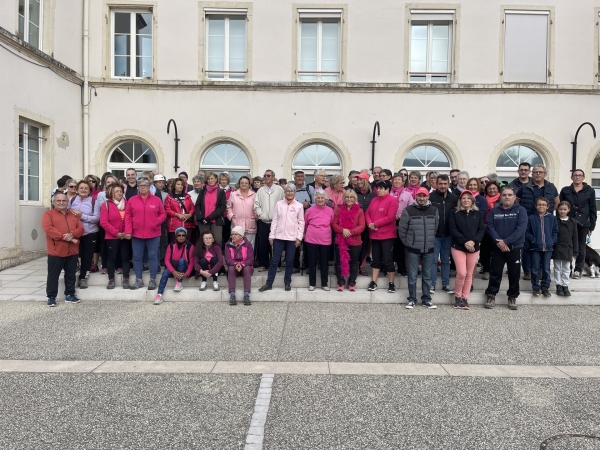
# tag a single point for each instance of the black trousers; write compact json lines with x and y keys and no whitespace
{"x":383,"y":254}
{"x":354,"y":251}
{"x":582,"y":233}
{"x":365,"y":246}
{"x":87,"y":247}
{"x":304,"y":264}
{"x":103,"y":248}
{"x":205,"y":264}
{"x":512,"y":259}
{"x":317,"y":253}
{"x":485,"y":252}
{"x":400,"y":256}
{"x":55,"y":265}
{"x":264,"y":247}
{"x":118,"y":247}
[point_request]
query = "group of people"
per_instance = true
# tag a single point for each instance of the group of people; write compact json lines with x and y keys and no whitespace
{"x":395,"y":221}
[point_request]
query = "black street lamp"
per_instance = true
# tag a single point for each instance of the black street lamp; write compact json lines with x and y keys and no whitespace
{"x":176,"y":142}
{"x":574,"y":143}
{"x":376,"y":127}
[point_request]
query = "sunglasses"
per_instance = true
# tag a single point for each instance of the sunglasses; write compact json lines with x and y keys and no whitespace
{"x":266,"y":176}
{"x":182,"y":235}
{"x":72,"y":187}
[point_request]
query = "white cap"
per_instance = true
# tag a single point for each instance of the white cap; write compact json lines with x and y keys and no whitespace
{"x":159,"y":177}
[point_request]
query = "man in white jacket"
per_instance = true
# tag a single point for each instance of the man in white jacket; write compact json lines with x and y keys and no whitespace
{"x":264,"y":205}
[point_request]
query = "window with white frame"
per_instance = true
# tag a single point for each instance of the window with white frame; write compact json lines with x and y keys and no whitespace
{"x":226,"y":44}
{"x":427,"y":158}
{"x":319,"y":45}
{"x":526,"y":46}
{"x":596,"y":178}
{"x":508,"y":162}
{"x":131,"y":44}
{"x":30,"y":162}
{"x":317,"y":156}
{"x":227,"y":157}
{"x":30,"y":22}
{"x":431,"y":41}
{"x":136,"y":154}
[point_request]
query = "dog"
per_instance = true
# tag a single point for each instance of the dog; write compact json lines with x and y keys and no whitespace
{"x":591,"y":266}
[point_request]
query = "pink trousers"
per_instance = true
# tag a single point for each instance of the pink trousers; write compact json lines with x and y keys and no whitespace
{"x":465,"y":263}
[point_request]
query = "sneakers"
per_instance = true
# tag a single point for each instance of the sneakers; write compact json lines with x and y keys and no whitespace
{"x":566,"y":291}
{"x":94,"y":268}
{"x":126,"y":283}
{"x":410,"y":305}
{"x":536,"y":292}
{"x":546,"y":293}
{"x":363,"y":273}
{"x":83,"y":283}
{"x":429,"y":305}
{"x":51,"y":301}
{"x":232,"y":299}
{"x":465,"y":304}
{"x":448,"y":290}
{"x":119,"y":270}
{"x":352,"y":287}
{"x":247,"y":301}
{"x":178,"y":286}
{"x":576,"y":275}
{"x":325,"y":288}
{"x":340,"y":288}
{"x":512,"y":303}
{"x":158,"y":299}
{"x":288,"y":287}
{"x":203,"y":286}
{"x":559,"y":290}
{"x":490,"y":301}
{"x":527,"y":276}
{"x":216,"y":286}
{"x":311,"y":288}
{"x":485,"y":276}
{"x":372,"y":286}
{"x":71,"y":299}
{"x":138,"y":284}
{"x":152,"y":284}
{"x":432,"y":290}
{"x":457,"y":303}
{"x":392,"y":288}
{"x":263,"y":269}
{"x":104,"y":271}
{"x":111,"y":284}
{"x":266,"y":287}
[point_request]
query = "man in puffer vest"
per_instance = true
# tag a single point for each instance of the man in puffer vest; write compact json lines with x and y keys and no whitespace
{"x":417,"y":228}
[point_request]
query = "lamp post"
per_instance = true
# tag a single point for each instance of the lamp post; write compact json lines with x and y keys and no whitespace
{"x":375,"y":128}
{"x":574,"y":143}
{"x":176,"y":142}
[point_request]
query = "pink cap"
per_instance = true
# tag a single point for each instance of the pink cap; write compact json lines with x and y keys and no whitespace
{"x":364,"y":176}
{"x":423,"y":191}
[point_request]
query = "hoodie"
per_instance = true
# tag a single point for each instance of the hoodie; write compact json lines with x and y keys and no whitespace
{"x":508,"y":224}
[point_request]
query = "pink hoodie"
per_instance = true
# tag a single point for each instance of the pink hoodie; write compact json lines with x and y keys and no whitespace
{"x":382,"y":212}
{"x":288,"y":221}
{"x":317,"y":223}
{"x":143,"y":216}
{"x":243,"y":209}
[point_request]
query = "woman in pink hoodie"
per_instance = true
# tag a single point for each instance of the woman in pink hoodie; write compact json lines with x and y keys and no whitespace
{"x":381,"y":221}
{"x":317,"y":225}
{"x":240,"y":209}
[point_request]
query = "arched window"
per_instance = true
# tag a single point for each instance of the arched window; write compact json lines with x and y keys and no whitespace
{"x":426,"y":158}
{"x":226,"y":157}
{"x":315,"y":156}
{"x":134,"y":154}
{"x":508,"y":162}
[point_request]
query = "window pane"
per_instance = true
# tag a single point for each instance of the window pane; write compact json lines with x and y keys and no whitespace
{"x":34,"y":35}
{"x":143,"y":67}
{"x":237,"y":26}
{"x":329,"y":49}
{"x":419,"y":30}
{"x":439,"y":50}
{"x":509,"y":157}
{"x":330,"y":30}
{"x":596,"y":164}
{"x":33,"y":189}
{"x":124,"y":152}
{"x":34,"y":12}
{"x":143,"y":45}
{"x":418,"y":78}
{"x":440,"y":31}
{"x":302,"y":158}
{"x":239,"y":159}
{"x":216,"y":26}
{"x":237,"y":47}
{"x":418,"y":54}
{"x":21,"y":168}
{"x":122,"y":44}
{"x":33,"y":163}
{"x":21,"y":16}
{"x":316,"y":155}
{"x":22,"y":8}
{"x":143,"y":23}
{"x":216,"y":47}
{"x":121,"y":66}
{"x":122,"y":23}
{"x":439,"y":66}
{"x":309,"y":29}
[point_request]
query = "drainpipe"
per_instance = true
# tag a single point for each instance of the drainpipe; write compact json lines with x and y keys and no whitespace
{"x":86,"y":91}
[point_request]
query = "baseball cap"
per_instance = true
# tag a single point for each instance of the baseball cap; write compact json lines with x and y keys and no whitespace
{"x":423,"y":191}
{"x":364,"y":176}
{"x":159,"y":177}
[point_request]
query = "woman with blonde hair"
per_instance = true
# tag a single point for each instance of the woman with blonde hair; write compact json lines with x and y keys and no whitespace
{"x":336,"y":191}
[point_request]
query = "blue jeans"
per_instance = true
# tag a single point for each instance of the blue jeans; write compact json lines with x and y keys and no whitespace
{"x":413,"y":272}
{"x":526,"y":258}
{"x":182,"y":266}
{"x":540,"y":263}
{"x":442,"y":246}
{"x":279,"y":246}
{"x":138,"y":246}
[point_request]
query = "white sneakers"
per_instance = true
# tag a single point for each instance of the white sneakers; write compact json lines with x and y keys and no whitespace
{"x":203,"y":286}
{"x":216,"y":286}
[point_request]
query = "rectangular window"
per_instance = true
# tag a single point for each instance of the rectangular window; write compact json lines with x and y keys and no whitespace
{"x":431,"y":46}
{"x":30,"y":162}
{"x":526,"y":47}
{"x":132,"y":44}
{"x":30,"y":22}
{"x":226,"y":44}
{"x":319,"y":42}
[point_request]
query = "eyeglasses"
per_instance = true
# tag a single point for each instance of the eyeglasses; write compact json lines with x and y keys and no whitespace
{"x":267,"y":175}
{"x":72,"y":187}
{"x":182,"y":235}
{"x":61,"y":201}
{"x":537,"y":172}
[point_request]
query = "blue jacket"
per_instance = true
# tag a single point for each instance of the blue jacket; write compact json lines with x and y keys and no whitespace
{"x":542,"y":232}
{"x":482,"y":204}
{"x":527,"y":196}
{"x":508,"y":224}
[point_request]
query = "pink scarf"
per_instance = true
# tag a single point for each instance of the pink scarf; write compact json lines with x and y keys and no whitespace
{"x":412,"y":189}
{"x":347,"y":220}
{"x":395,"y":192}
{"x":210,"y":200}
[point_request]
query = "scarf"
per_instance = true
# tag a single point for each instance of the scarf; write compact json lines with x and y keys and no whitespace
{"x":412,"y":189}
{"x":347,"y":220}
{"x":491,"y":201}
{"x":337,"y":199}
{"x":120,"y":205}
{"x":181,"y":200}
{"x":395,"y":192}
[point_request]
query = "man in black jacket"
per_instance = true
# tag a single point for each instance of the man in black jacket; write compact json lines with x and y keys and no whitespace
{"x":445,"y":201}
{"x":583,"y":209}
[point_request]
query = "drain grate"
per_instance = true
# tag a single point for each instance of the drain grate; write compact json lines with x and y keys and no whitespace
{"x":571,"y":441}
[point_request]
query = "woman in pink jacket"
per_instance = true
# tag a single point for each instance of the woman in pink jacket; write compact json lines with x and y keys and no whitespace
{"x":240,"y":209}
{"x":317,"y":224}
{"x":112,"y":220}
{"x":144,"y":215}
{"x":287,"y":229}
{"x":180,"y":209}
{"x":381,"y":221}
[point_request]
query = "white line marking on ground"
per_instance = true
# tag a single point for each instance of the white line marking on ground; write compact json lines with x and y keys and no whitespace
{"x":256,"y":431}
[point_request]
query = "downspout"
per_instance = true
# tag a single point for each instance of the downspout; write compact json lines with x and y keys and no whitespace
{"x":86,"y":91}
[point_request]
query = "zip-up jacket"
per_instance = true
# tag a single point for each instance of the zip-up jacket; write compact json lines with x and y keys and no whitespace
{"x":264,"y":202}
{"x":242,"y":254}
{"x":173,"y":207}
{"x":364,"y":200}
{"x":174,"y":253}
{"x":217,"y":214}
{"x":542,"y":232}
{"x":214,"y":250}
{"x":144,"y":216}
{"x":90,"y":213}
{"x":243,"y":209}
{"x":527,"y":196}
{"x":466,"y":226}
{"x":288,"y":221}
{"x":111,"y":220}
{"x":356,"y":230}
{"x":317,"y":225}
{"x":417,"y":227}
{"x":56,"y":224}
{"x":516,"y":184}
{"x":508,"y":224}
{"x":382,"y":212}
{"x":566,"y":246}
{"x":445,"y":205}
{"x":583,"y":203}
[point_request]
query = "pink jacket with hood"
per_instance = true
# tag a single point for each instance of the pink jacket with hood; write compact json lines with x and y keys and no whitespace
{"x":243,"y":209}
{"x":288,"y":221}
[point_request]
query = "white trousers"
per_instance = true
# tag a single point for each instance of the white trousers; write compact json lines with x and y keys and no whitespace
{"x":562,"y":270}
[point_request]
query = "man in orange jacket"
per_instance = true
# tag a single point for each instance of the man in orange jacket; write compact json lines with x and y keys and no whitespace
{"x":63,"y":231}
